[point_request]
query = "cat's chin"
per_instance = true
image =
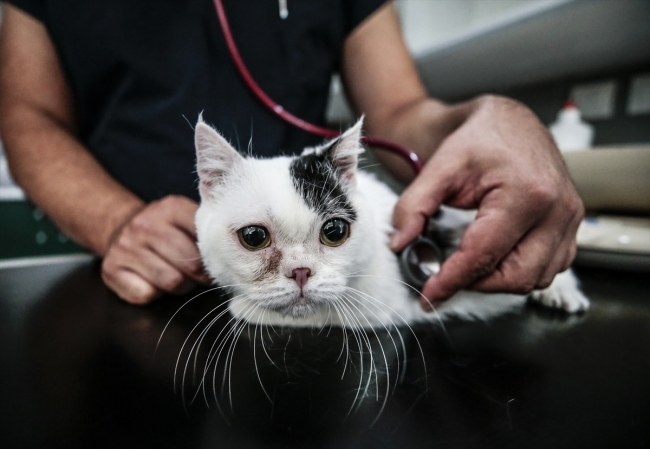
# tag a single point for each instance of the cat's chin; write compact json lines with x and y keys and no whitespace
{"x":297,"y":310}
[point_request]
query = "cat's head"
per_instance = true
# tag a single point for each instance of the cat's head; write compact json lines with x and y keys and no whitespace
{"x":286,"y":232}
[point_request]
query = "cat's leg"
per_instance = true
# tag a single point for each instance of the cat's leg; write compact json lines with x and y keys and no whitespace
{"x":563,"y":293}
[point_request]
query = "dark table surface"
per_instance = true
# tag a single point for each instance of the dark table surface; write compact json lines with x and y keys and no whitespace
{"x":78,"y":368}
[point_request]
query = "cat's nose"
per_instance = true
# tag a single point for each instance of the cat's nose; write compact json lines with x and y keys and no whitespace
{"x":300,"y":275}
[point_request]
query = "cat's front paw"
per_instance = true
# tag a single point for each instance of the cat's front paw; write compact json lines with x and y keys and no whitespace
{"x":563,"y":293}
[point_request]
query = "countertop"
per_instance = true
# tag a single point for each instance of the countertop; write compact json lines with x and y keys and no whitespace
{"x":78,"y":368}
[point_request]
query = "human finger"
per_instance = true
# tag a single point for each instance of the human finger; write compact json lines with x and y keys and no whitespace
{"x":168,"y":230}
{"x":561,"y":262}
{"x":485,"y":243}
{"x":129,"y":286}
{"x":157,"y":271}
{"x":132,"y":251}
{"x":525,"y":267}
{"x":180,"y":211}
{"x":417,"y":203}
{"x":180,"y":251}
{"x":547,"y":249}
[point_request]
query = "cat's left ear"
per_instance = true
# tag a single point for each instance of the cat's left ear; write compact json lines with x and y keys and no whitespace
{"x":344,"y":151}
{"x":215,"y":157}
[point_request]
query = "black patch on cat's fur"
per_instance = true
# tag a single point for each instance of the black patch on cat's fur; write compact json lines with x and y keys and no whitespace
{"x":318,"y":181}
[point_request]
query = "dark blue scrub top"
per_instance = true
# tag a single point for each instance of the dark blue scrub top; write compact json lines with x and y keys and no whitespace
{"x":141,"y":71}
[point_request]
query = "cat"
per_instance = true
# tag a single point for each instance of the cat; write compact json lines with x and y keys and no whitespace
{"x":303,"y":241}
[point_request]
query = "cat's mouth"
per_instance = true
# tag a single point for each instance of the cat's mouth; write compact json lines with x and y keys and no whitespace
{"x":299,"y":306}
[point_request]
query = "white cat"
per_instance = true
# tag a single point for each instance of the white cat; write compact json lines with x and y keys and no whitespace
{"x":303,"y":241}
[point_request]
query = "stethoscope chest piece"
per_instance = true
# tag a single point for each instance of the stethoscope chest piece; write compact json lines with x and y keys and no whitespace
{"x":420,"y":260}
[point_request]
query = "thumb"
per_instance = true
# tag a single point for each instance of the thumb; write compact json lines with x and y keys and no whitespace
{"x":416,"y":204}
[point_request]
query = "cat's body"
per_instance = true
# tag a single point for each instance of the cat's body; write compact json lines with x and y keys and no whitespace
{"x":303,"y":241}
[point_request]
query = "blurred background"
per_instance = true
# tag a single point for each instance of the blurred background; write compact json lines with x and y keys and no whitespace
{"x":583,"y":66}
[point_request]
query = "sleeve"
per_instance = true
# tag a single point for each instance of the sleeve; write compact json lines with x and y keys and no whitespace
{"x":357,"y":11}
{"x":35,"y":8}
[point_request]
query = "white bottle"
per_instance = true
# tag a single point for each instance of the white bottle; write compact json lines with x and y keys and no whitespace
{"x":569,"y":131}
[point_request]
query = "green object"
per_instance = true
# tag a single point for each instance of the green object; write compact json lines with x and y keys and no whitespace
{"x":26,"y":232}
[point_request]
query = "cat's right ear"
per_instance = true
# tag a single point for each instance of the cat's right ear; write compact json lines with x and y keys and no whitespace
{"x":215,"y":157}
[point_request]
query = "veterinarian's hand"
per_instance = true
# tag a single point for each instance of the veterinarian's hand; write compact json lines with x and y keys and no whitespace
{"x":502,"y":161}
{"x":155,"y":252}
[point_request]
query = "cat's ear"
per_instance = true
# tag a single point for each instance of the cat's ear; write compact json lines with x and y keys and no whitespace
{"x":215,"y":157}
{"x":344,"y":151}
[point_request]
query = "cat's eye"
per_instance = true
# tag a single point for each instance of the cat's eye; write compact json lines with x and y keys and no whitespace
{"x":334,"y":232}
{"x":254,"y":238}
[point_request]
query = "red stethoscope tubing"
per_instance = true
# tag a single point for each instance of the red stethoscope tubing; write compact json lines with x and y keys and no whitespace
{"x":408,"y":155}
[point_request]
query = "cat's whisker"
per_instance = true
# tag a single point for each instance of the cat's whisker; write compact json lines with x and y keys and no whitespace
{"x":401,"y":370}
{"x":231,"y":354}
{"x":435,"y":311}
{"x":196,"y":353}
{"x":416,"y":291}
{"x":188,"y":122}
{"x":401,"y":367}
{"x":228,"y":337}
{"x":250,"y":142}
{"x":265,"y":312}
{"x":383,"y":352}
{"x":219,"y":345}
{"x":356,"y":330}
{"x":284,"y":355}
{"x":203,"y":333}
{"x":195,"y":347}
{"x":236,"y":131}
{"x":353,"y":328}
{"x":188,"y":337}
{"x":352,"y":273}
{"x":366,"y":338}
{"x":369,"y":166}
{"x":257,"y":371}
{"x":328,"y":319}
{"x":346,"y":341}
{"x":346,"y":337}
{"x":186,"y":303}
{"x":202,"y":385}
{"x":210,"y":356}
{"x":227,"y":302}
{"x":260,"y":187}
{"x":388,"y":331}
{"x":268,"y":332}
{"x":399,"y":316}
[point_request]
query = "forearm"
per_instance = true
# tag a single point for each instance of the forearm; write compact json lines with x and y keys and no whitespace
{"x":425,"y":124}
{"x":383,"y":83}
{"x":63,"y":178}
{"x":420,"y":126}
{"x":37,"y":125}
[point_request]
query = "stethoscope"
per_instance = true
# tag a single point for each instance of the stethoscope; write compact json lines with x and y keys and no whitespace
{"x":423,"y":257}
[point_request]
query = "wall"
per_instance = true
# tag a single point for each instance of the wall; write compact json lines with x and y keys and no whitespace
{"x":427,"y":24}
{"x":546,"y":99}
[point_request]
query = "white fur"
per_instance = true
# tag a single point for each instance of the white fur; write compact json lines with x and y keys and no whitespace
{"x":357,"y":284}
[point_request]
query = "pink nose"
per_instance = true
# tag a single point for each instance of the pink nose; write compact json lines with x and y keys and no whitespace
{"x":300,"y":275}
